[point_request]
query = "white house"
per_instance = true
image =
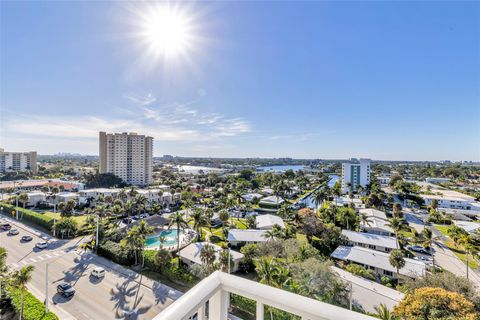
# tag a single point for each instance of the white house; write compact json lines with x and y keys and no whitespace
{"x":271,"y":201}
{"x":35,"y":197}
{"x":267,"y":221}
{"x":468,"y":226}
{"x":451,"y":199}
{"x":190,"y":255}
{"x":370,"y":240}
{"x":245,"y":236}
{"x":65,"y":196}
{"x":377,"y":226}
{"x":437,"y":180}
{"x":373,"y":213}
{"x":267,"y":191}
{"x":250,"y":196}
{"x":378,"y":261}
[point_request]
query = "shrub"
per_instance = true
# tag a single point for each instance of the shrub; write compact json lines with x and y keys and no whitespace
{"x":113,"y":251}
{"x":33,"y":309}
{"x":172,"y":270}
{"x":435,"y":303}
{"x":29,"y":215}
{"x":360,"y":271}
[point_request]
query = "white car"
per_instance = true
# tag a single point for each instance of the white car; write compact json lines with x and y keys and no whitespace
{"x":98,"y":272}
{"x":13,"y":232}
{"x":41,"y":245}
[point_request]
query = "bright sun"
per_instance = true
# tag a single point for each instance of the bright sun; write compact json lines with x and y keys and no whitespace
{"x":167,"y":31}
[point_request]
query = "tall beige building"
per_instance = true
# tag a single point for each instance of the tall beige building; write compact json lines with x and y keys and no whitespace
{"x":128,"y":156}
{"x":18,"y":161}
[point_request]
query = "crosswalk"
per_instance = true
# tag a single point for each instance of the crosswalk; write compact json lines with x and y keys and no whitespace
{"x":37,"y":259}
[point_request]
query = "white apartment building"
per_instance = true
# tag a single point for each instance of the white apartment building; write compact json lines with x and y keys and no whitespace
{"x":18,"y":161}
{"x":128,"y":156}
{"x":355,"y":173}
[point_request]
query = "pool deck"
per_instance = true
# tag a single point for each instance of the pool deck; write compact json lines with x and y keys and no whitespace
{"x":185,"y":238}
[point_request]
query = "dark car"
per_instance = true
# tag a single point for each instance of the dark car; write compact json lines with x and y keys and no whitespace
{"x":65,"y":289}
{"x":6,"y":226}
{"x":26,"y":238}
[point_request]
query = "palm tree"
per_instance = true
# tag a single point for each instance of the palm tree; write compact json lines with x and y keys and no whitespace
{"x":252,"y":222}
{"x":133,"y":241}
{"x":397,"y":210}
{"x":427,"y":239}
{"x":270,"y":235}
{"x":144,"y":230}
{"x":53,"y":195}
{"x":384,"y":313}
{"x":3,"y":269}
{"x":224,"y":258}
{"x":397,"y":225}
{"x":23,"y":199}
{"x":199,"y":221}
{"x":208,"y":256}
{"x":161,"y":241}
{"x":397,"y":260}
{"x":267,"y":269}
{"x":128,"y":207}
{"x":318,"y":197}
{"x":19,"y":280}
{"x":155,"y":208}
{"x":177,"y":220}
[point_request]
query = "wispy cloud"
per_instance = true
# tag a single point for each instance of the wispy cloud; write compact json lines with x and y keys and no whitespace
{"x":175,"y":122}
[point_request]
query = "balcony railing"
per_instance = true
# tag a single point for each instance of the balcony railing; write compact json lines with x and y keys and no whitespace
{"x":216,"y":287}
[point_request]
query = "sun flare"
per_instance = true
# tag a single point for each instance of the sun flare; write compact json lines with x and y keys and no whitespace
{"x":167,"y":31}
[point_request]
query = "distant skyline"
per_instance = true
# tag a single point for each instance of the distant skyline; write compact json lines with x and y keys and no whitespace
{"x":329,"y":80}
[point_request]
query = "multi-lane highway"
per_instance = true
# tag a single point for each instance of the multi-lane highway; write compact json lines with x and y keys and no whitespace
{"x":112,"y":297}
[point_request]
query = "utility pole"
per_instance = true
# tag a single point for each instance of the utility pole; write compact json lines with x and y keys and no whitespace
{"x":46,"y":288}
{"x":96,"y":238}
{"x":350,"y":295}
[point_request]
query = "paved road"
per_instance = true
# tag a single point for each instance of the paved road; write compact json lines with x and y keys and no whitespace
{"x":107,"y":298}
{"x":444,"y":257}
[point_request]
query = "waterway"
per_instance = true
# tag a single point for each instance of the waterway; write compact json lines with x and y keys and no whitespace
{"x":280,"y":168}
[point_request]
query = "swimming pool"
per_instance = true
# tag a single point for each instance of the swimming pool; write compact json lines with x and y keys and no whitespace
{"x":170,"y":238}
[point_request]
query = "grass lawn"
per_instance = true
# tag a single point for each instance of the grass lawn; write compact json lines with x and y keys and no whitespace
{"x":56,"y":215}
{"x":459,"y":252}
{"x":442,"y":228}
{"x":407,"y":233}
{"x":239,"y":223}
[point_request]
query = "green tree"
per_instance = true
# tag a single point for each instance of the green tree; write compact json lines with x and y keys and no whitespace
{"x":208,"y":256}
{"x":199,"y":221}
{"x":397,"y":260}
{"x":66,"y":226}
{"x":179,"y":222}
{"x":23,"y":199}
{"x":435,"y":303}
{"x":20,"y":279}
{"x":384,"y":313}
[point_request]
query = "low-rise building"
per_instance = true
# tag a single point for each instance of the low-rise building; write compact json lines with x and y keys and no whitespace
{"x":379,"y":262}
{"x":271,"y":201}
{"x":468,"y":226}
{"x":35,"y":197}
{"x":437,"y":180}
{"x":64,"y":197}
{"x":377,"y":226}
{"x":252,"y":196}
{"x":373,"y":213}
{"x":238,"y":237}
{"x":267,"y":221}
{"x":370,"y":240}
{"x":190,"y":255}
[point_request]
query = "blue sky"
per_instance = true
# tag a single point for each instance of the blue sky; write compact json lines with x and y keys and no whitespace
{"x":385,"y":80}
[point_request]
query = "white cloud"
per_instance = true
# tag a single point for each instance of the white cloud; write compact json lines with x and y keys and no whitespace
{"x":176,"y":122}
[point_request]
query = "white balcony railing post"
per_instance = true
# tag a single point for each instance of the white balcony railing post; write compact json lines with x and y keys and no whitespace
{"x":260,"y":311}
{"x":201,"y":312}
{"x":218,"y":305}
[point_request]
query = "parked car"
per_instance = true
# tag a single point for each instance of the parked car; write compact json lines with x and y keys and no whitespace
{"x":65,"y":289}
{"x":13,"y":232}
{"x":98,"y":272}
{"x":417,"y":248}
{"x":6,"y":226}
{"x":41,"y":245}
{"x":27,"y":238}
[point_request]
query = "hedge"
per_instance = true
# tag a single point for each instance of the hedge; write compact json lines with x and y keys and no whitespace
{"x":33,"y":308}
{"x":29,"y":215}
{"x":113,"y":251}
{"x":173,"y":272}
